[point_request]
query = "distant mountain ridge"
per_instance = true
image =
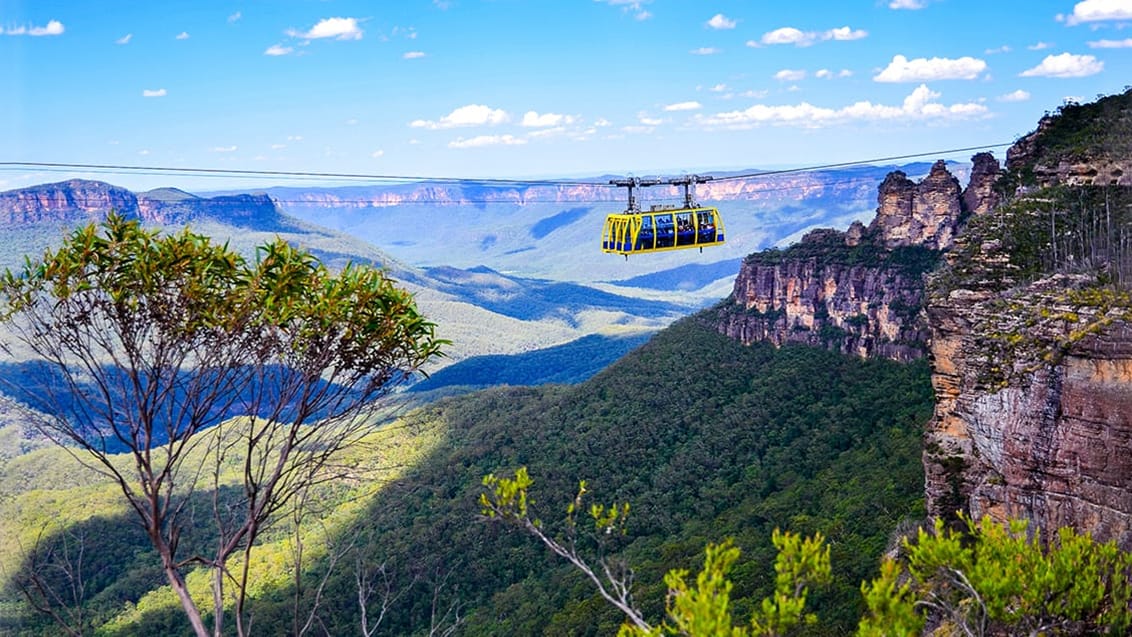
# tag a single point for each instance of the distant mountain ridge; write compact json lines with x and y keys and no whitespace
{"x":749,"y":185}
{"x":483,"y":312}
{"x":80,"y":200}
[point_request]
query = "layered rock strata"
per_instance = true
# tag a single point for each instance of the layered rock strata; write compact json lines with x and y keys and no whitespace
{"x":859,"y":291}
{"x":1026,"y":426}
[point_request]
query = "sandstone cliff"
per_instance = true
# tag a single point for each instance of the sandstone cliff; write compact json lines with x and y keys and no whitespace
{"x":859,"y":291}
{"x":1031,"y":341}
{"x":80,"y":200}
{"x":71,"y":201}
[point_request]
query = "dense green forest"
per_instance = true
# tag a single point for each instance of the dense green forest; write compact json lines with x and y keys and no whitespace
{"x":707,"y":438}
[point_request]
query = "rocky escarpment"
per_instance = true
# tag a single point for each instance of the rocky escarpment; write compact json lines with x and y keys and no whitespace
{"x":80,"y":200}
{"x":1031,"y":342}
{"x":859,"y":291}
{"x":68,"y":201}
{"x":856,"y":299}
{"x":1034,"y":408}
{"x":172,"y":207}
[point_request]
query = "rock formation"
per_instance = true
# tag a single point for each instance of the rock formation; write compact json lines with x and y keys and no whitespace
{"x":1032,"y":351}
{"x":924,"y":214}
{"x":860,"y":291}
{"x":1018,"y":436}
{"x":981,"y":196}
{"x":71,"y":201}
{"x":828,"y":300}
{"x":80,"y":201}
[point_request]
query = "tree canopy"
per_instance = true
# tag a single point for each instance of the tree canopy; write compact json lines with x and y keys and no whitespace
{"x":144,"y":341}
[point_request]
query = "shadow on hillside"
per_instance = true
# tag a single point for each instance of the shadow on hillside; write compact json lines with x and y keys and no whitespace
{"x":707,"y":439}
{"x":91,"y":572}
{"x":42,"y":387}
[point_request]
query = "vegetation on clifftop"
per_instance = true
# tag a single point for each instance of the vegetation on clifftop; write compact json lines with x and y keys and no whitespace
{"x":828,"y":247}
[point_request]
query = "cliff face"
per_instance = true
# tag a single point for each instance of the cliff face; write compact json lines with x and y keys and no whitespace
{"x":856,"y":308}
{"x":860,"y":291}
{"x":1019,"y":433}
{"x":1031,"y":341}
{"x":79,"y":201}
{"x":69,"y":201}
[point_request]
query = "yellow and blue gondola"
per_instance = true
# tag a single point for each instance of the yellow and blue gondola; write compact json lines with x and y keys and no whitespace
{"x":661,"y":228}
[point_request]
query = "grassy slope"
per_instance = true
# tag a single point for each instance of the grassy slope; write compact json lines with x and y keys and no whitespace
{"x":705,"y":437}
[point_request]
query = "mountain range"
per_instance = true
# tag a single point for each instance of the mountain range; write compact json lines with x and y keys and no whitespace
{"x":959,"y":352}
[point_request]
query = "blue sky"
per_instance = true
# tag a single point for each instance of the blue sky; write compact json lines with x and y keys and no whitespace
{"x":534,"y":88}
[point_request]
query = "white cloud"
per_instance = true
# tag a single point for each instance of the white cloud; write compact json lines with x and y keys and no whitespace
{"x":154,"y":92}
{"x":337,"y":28}
{"x":1005,"y":48}
{"x":1065,"y":65}
{"x":1015,"y":96}
{"x":183,"y":35}
{"x":824,"y":74}
{"x":788,"y":35}
{"x":470,"y":115}
{"x":649,"y":121}
{"x":901,"y":69}
{"x":705,"y":50}
{"x":1039,"y":46}
{"x":294,"y":138}
{"x":844,"y":34}
{"x":234,"y":17}
{"x":845,"y":73}
{"x":720,"y":21}
{"x":718,"y":88}
{"x":790,"y":75}
{"x":798,"y":37}
{"x":278,"y":49}
{"x":53,"y":27}
{"x":1111,"y":44}
{"x":532,"y":119}
{"x":487,"y":140}
{"x":278,"y":146}
{"x":144,"y":151}
{"x":125,"y":39}
{"x":907,"y":4}
{"x":601,"y":122}
{"x":1099,"y":11}
{"x":224,"y":149}
{"x":413,"y":55}
{"x":683,"y":106}
{"x":377,"y":153}
{"x":921,"y":104}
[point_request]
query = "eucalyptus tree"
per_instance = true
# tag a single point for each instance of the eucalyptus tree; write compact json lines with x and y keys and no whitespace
{"x":147,"y":345}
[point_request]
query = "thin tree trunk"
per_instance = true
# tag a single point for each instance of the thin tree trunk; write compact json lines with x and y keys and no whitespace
{"x":218,"y":601}
{"x":191,"y":610}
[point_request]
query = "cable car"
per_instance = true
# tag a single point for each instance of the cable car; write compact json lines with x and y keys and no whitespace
{"x":661,"y":228}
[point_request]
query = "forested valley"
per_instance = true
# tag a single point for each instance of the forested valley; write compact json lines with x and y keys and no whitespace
{"x":707,"y":438}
